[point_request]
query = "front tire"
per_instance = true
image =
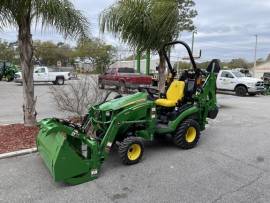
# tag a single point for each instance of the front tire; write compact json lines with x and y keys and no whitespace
{"x":60,"y":81}
{"x":241,"y":91}
{"x":131,"y":150}
{"x":187,"y":135}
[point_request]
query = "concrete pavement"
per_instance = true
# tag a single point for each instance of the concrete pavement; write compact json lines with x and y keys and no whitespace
{"x":230,"y":164}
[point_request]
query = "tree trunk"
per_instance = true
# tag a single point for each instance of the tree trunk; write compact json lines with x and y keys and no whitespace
{"x":26,"y":55}
{"x":161,"y":73}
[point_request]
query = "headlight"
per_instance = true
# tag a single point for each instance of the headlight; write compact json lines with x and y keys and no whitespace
{"x":108,"y":113}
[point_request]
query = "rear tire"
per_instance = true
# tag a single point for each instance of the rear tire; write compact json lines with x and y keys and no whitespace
{"x":241,"y":91}
{"x":60,"y":81}
{"x":187,"y":134}
{"x":131,"y":150}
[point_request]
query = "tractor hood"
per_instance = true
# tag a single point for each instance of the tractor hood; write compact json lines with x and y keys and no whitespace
{"x":122,"y":102}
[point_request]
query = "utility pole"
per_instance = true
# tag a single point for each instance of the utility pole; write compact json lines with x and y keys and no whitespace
{"x":192,"y":43}
{"x":255,"y":54}
{"x":193,"y":40}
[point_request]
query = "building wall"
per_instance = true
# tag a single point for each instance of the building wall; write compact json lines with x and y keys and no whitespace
{"x":261,"y":69}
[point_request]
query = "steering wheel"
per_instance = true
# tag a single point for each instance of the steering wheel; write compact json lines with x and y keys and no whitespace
{"x":152,"y":92}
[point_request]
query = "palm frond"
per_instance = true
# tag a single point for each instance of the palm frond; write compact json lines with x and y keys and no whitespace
{"x":6,"y":15}
{"x":147,"y":24}
{"x":59,"y":14}
{"x":62,"y":15}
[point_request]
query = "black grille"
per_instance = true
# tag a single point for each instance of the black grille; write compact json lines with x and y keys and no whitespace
{"x":260,"y":84}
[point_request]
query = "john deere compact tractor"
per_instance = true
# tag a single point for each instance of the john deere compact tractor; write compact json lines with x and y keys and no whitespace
{"x":74,"y":153}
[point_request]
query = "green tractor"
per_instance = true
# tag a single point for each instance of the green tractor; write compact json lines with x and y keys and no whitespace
{"x":7,"y":70}
{"x":74,"y":153}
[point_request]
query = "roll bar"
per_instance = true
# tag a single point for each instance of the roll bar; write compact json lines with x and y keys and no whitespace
{"x":189,"y":53}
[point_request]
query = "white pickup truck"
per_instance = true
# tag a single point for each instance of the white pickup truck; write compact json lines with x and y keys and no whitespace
{"x":232,"y":80}
{"x":42,"y":74}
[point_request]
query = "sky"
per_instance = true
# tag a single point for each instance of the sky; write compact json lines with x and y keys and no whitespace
{"x":225,"y":28}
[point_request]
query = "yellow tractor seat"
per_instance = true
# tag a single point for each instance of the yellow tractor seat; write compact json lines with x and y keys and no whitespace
{"x":174,"y":94}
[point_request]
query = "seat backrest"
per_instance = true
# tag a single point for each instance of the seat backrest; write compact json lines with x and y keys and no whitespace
{"x":176,"y":91}
{"x":190,"y":87}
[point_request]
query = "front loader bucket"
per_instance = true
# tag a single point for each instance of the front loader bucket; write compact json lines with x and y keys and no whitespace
{"x":63,"y":158}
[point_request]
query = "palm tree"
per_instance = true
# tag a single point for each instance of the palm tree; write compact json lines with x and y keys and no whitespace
{"x":23,"y":14}
{"x":149,"y":24}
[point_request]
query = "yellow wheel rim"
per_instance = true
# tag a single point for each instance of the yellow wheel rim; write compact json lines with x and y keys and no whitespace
{"x":191,"y":134}
{"x":134,"y":152}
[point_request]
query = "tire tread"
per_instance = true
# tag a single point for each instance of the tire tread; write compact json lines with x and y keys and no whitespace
{"x":124,"y":146}
{"x":179,"y":137}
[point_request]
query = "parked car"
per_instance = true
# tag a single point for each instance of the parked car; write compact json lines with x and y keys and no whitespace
{"x":123,"y":78}
{"x":42,"y":74}
{"x":7,"y":70}
{"x":233,"y":80}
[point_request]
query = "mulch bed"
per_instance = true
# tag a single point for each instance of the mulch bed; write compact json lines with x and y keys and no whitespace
{"x":17,"y":137}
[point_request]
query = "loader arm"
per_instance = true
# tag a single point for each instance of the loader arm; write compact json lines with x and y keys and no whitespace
{"x":138,"y":114}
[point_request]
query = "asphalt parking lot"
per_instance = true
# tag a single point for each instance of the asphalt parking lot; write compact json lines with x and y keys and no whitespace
{"x":12,"y":100}
{"x":230,"y":164}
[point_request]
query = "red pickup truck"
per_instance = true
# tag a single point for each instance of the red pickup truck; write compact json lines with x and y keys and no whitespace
{"x":123,"y":78}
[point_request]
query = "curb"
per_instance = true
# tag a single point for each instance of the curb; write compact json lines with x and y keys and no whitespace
{"x":18,"y":153}
{"x":6,"y":124}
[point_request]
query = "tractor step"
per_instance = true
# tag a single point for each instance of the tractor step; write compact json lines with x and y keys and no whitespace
{"x":162,"y":125}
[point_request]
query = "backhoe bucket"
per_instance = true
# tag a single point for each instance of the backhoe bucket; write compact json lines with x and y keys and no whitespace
{"x":62,"y":153}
